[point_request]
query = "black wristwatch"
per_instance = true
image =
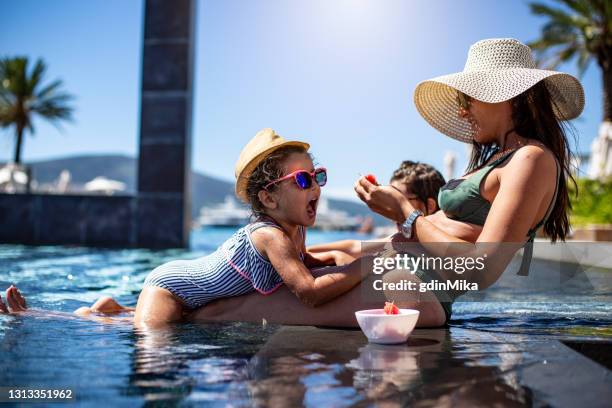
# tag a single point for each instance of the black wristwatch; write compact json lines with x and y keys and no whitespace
{"x":407,"y":225}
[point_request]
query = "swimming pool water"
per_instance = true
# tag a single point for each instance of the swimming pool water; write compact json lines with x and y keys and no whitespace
{"x":217,"y":363}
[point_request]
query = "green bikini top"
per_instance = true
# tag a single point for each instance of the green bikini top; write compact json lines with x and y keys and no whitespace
{"x":460,"y":199}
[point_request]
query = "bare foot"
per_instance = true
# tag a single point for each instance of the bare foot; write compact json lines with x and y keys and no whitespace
{"x":16,"y":302}
{"x":107,"y":304}
{"x":3,"y":308}
{"x":83,"y":311}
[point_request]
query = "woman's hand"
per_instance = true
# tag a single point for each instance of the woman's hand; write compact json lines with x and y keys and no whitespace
{"x":384,"y":200}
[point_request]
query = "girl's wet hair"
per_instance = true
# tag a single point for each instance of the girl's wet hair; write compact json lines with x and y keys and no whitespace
{"x":533,"y":117}
{"x":424,"y":180}
{"x":268,"y":170}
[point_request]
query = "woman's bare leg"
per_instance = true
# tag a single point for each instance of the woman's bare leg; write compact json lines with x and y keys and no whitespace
{"x":15,"y":303}
{"x":282,"y":306}
{"x":156,"y":306}
{"x":106,"y":305}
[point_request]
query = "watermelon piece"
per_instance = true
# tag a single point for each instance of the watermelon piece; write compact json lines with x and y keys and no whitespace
{"x":391,"y":309}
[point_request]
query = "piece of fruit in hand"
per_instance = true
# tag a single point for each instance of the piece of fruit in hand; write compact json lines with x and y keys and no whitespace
{"x":391,"y":309}
{"x":372,"y":179}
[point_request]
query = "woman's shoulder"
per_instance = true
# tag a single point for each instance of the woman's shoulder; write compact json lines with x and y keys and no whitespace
{"x":534,"y":157}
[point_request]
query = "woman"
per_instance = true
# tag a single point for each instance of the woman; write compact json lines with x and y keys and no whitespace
{"x":516,"y":182}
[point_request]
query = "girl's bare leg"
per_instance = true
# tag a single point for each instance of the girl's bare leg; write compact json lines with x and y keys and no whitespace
{"x":157,"y":307}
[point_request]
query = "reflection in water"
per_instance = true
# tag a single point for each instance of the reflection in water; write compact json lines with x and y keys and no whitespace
{"x":194,"y":363}
{"x":298,"y":367}
{"x":383,"y":372}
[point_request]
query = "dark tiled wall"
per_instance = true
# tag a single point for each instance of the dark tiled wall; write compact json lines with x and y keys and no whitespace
{"x":40,"y":219}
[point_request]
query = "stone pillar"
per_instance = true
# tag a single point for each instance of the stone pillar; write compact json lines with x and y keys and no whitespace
{"x":164,"y":167}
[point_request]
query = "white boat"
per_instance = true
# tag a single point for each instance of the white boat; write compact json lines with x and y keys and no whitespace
{"x":335,"y":220}
{"x":230,"y":213}
{"x":103,"y":185}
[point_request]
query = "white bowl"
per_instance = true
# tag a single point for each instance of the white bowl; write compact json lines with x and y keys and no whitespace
{"x":387,"y":329}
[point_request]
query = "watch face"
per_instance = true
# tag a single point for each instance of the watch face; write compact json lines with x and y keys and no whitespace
{"x":407,"y":230}
{"x":407,"y":225}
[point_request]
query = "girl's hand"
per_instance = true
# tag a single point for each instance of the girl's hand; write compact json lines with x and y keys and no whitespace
{"x":384,"y":200}
{"x":342,"y":258}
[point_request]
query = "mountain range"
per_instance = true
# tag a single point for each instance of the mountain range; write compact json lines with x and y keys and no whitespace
{"x":206,"y":190}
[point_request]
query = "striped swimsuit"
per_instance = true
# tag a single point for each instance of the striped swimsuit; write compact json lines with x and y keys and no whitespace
{"x":235,"y":268}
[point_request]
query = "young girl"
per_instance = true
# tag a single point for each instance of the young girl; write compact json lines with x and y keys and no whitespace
{"x":277,"y":178}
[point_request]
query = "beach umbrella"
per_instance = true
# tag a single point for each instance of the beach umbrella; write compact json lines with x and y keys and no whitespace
{"x":450,"y":159}
{"x":104,"y":185}
{"x":601,"y":153}
{"x":12,"y":174}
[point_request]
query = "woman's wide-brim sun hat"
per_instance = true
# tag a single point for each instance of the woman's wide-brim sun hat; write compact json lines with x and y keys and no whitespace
{"x":265,"y":142}
{"x":496,"y":70}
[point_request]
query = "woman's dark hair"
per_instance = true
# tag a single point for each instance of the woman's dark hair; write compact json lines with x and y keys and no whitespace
{"x":424,"y":180}
{"x":268,"y":170}
{"x":533,"y":117}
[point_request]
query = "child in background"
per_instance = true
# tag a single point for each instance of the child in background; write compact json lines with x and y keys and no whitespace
{"x":419,"y":182}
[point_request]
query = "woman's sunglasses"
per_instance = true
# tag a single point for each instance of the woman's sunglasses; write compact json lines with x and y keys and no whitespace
{"x":463,"y":100}
{"x":304,"y":178}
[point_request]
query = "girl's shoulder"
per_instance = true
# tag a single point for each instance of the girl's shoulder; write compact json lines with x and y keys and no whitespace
{"x":263,"y":232}
{"x":260,"y":229}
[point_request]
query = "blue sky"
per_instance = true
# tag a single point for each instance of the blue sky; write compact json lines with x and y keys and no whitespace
{"x":337,"y":73}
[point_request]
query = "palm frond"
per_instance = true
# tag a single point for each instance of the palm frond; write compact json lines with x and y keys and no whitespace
{"x":54,"y":107}
{"x":557,"y":15}
{"x":15,"y":73}
{"x":49,"y":90}
{"x":36,"y":76}
{"x":583,"y":8}
{"x":552,"y":35}
{"x":584,"y":59}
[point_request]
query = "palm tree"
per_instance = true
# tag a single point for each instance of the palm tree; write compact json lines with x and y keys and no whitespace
{"x":581,"y":30}
{"x":22,"y":95}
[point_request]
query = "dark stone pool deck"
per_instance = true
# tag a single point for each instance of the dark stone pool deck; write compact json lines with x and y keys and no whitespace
{"x":310,"y":366}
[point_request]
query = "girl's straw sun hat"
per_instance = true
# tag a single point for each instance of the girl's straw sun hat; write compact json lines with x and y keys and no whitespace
{"x":496,"y":70}
{"x":265,"y":142}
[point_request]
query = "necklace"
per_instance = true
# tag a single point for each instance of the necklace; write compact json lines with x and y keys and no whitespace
{"x":503,"y":151}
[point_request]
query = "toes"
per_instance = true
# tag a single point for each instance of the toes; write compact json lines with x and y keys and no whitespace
{"x":20,"y":299}
{"x":3,"y":308}
{"x":11,"y":299}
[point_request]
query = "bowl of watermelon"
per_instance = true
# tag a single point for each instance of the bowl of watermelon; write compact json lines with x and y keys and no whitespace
{"x":389,"y":325}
